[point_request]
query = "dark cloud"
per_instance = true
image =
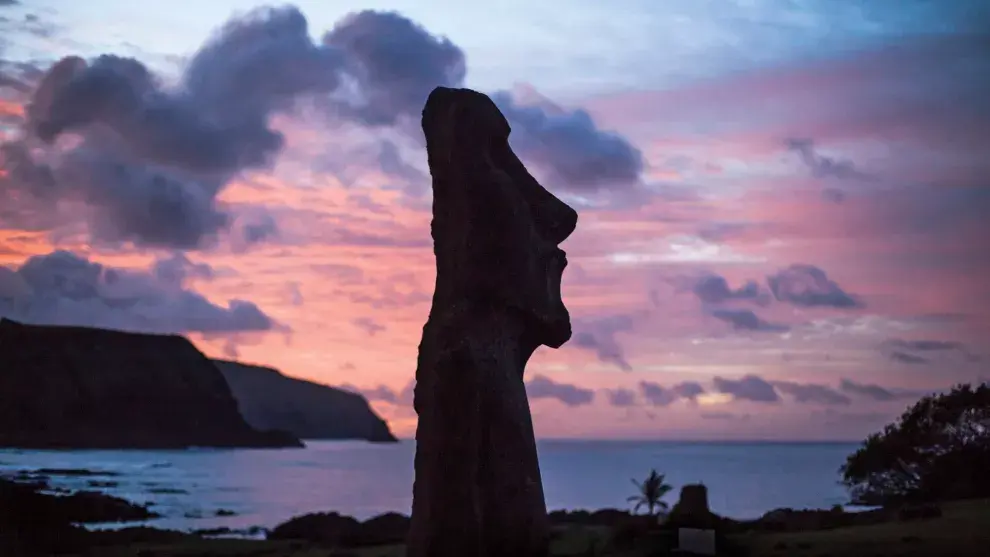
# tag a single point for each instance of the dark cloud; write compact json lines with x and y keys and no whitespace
{"x":381,"y":393}
{"x":571,"y":395}
{"x":722,"y":231}
{"x":867,"y":390}
{"x":365,"y":202}
{"x":344,"y":274}
{"x":216,"y":122}
{"x":908,"y":358}
{"x":62,"y":288}
{"x":810,"y":392}
{"x":346,"y":237}
{"x":926,"y":345}
{"x":18,"y":77}
{"x":746,"y":320}
{"x":395,"y":64}
{"x":569,"y":146}
{"x":4,"y":3}
{"x":154,"y":158}
{"x":658,"y":395}
{"x":822,"y":166}
{"x":803,"y":285}
{"x":809,"y":286}
{"x":714,"y":289}
{"x":924,"y":351}
{"x":169,"y":151}
{"x":876,"y":392}
{"x":368,"y":325}
{"x":30,"y":24}
{"x":723,"y":416}
{"x":252,"y":226}
{"x":599,"y":335}
{"x":749,"y":387}
{"x":539,"y":387}
{"x":391,"y":162}
{"x":621,"y":397}
{"x":387,"y":297}
{"x":176,"y":268}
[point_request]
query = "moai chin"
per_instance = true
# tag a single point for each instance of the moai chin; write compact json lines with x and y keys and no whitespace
{"x":496,"y":234}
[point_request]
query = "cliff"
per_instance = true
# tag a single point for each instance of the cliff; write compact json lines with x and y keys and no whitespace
{"x":78,"y":387}
{"x":270,"y":400}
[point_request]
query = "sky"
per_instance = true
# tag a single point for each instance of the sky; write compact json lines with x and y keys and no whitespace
{"x":784,"y":206}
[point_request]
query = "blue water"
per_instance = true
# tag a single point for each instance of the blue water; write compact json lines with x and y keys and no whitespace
{"x":265,"y":487}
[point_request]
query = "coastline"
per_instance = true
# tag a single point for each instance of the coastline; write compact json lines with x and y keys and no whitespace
{"x":45,"y":515}
{"x":266,"y":487}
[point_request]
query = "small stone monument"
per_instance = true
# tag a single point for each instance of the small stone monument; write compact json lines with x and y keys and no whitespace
{"x":694,"y":501}
{"x":694,"y":521}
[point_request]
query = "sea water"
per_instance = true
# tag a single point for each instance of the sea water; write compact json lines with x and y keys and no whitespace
{"x":194,"y":489}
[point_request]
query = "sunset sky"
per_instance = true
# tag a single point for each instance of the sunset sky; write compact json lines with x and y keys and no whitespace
{"x":784,"y":209}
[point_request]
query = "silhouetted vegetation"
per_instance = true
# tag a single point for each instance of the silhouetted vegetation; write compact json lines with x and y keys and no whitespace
{"x":939,"y":449}
{"x":652,"y":490}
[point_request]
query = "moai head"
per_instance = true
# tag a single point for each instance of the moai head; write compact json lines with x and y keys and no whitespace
{"x":496,"y":230}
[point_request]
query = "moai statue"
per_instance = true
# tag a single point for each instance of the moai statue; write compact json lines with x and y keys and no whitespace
{"x":496,"y":234}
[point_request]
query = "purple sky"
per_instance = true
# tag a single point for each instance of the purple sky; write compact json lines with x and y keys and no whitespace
{"x":784,"y":205}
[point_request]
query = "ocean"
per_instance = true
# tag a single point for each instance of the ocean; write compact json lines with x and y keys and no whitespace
{"x":265,"y":487}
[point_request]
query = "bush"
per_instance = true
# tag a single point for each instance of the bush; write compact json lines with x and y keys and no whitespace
{"x":939,"y":449}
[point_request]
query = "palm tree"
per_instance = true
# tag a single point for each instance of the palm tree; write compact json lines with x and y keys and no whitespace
{"x":651,"y":493}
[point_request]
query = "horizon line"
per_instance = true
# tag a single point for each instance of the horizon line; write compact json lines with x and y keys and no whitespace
{"x":735,"y":441}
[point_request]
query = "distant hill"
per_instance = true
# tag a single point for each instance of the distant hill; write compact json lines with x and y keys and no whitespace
{"x":270,"y":400}
{"x":80,"y":387}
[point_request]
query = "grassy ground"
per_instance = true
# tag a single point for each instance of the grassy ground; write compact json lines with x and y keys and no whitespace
{"x":574,"y":541}
{"x":962,"y":531}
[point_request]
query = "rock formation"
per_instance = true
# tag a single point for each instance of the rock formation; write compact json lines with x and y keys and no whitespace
{"x":496,"y":232}
{"x":78,"y":387}
{"x":270,"y":400}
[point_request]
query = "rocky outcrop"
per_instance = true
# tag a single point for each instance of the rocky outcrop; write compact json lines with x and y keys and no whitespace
{"x":335,"y":530}
{"x":35,"y":522}
{"x":496,"y":233}
{"x":270,"y":400}
{"x":78,"y":387}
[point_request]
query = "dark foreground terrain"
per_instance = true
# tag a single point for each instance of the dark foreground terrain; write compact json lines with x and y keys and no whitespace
{"x":36,"y":522}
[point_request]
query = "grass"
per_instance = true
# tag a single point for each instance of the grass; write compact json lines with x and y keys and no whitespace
{"x":962,"y":531}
